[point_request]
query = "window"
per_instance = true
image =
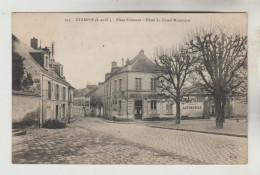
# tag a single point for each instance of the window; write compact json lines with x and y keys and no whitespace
{"x":138,"y":83}
{"x":57,"y":92}
{"x":82,"y":102}
{"x":153,"y":105}
{"x":70,"y":95}
{"x":107,"y":89}
{"x":153,"y":83}
{"x":46,"y":62}
{"x":119,"y":106}
{"x":169,"y":108}
{"x":49,"y":90}
{"x":110,"y":88}
{"x":120,"y":84}
{"x":64,"y":93}
{"x":115,"y":86}
{"x":87,"y":103}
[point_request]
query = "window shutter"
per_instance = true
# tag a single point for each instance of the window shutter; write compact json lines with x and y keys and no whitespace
{"x":164,"y":108}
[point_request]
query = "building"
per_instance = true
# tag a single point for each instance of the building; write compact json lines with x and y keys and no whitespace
{"x":130,"y":92}
{"x":39,"y":85}
{"x":81,"y":101}
{"x":236,"y":107}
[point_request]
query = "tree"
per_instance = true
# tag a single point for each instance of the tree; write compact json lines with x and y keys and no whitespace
{"x":95,"y":102}
{"x":17,"y":71}
{"x":174,"y":67}
{"x":222,"y":67}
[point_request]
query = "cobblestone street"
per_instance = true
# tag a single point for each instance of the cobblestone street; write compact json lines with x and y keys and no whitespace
{"x":93,"y":141}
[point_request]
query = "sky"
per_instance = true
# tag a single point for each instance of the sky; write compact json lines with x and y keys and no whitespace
{"x":86,"y":48}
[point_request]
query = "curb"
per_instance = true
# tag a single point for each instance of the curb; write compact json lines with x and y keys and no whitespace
{"x":18,"y":132}
{"x":109,"y":121}
{"x":205,"y":132}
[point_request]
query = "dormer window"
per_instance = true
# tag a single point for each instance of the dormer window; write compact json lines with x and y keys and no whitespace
{"x":58,"y":68}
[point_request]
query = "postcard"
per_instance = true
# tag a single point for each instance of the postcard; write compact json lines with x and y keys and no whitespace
{"x":130,"y":88}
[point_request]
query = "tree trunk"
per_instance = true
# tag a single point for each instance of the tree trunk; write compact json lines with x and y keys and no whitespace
{"x":178,"y":112}
{"x":219,"y":113}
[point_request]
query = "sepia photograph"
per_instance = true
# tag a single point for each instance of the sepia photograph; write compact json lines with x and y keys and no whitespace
{"x":130,"y":88}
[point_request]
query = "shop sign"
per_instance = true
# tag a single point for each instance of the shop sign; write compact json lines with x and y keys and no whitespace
{"x":138,"y":96}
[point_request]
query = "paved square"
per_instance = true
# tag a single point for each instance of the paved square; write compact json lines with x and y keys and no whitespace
{"x":93,"y":141}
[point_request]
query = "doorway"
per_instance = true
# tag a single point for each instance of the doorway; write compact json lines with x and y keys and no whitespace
{"x":63,"y":111}
{"x":84,"y":111}
{"x":57,"y":112}
{"x":138,"y":109}
{"x":154,"y":107}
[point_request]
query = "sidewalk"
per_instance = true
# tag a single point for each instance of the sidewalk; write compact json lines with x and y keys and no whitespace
{"x":231,"y":127}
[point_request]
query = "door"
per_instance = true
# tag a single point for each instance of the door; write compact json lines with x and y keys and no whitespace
{"x":154,"y":108}
{"x":84,"y":111}
{"x":63,"y":111}
{"x":57,"y":112}
{"x":138,"y":109}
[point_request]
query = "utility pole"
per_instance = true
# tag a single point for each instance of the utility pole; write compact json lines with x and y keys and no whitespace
{"x":127,"y":91}
{"x":52,"y":50}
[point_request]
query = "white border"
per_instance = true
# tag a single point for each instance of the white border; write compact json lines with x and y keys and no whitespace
{"x":250,"y":6}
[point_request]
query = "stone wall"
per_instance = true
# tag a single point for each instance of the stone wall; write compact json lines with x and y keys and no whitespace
{"x":35,"y":73}
{"x":23,"y":105}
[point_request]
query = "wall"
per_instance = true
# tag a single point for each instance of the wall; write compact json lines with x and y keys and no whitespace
{"x":192,"y":109}
{"x":31,"y":68}
{"x":131,"y":76}
{"x":146,"y":80}
{"x":240,"y":109}
{"x":49,"y":105}
{"x":23,"y":105}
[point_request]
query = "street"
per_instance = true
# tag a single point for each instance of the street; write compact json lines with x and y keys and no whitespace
{"x":94,"y":141}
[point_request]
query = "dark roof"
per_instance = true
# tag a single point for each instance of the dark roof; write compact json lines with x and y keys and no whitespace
{"x":24,"y":51}
{"x":140,"y":63}
{"x":84,"y":92}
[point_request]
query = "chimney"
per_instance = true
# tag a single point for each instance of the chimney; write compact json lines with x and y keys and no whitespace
{"x":123,"y":62}
{"x":141,"y":52}
{"x":34,"y":43}
{"x":114,"y":64}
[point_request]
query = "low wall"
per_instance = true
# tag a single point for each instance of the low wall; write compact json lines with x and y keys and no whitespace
{"x":23,"y":104}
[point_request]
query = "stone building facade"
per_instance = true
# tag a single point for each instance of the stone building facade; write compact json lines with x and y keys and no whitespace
{"x":81,"y":101}
{"x":36,"y":74}
{"x":130,"y":93}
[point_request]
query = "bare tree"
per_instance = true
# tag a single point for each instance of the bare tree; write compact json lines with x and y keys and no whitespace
{"x":174,"y":67}
{"x":222,"y":67}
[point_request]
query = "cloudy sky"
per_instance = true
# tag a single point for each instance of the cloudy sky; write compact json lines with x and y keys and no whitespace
{"x":87,"y":48}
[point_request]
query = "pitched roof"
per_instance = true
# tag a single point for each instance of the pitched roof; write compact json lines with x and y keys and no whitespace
{"x":140,"y":63}
{"x":24,"y":51}
{"x":84,"y":91}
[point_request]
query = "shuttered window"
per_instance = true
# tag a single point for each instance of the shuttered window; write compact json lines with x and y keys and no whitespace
{"x":138,"y":84}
